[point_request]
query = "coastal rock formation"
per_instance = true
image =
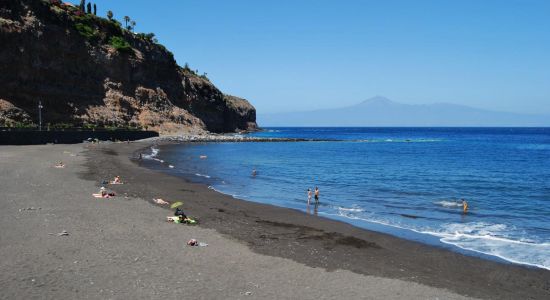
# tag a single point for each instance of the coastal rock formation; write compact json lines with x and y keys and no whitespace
{"x":88,"y":70}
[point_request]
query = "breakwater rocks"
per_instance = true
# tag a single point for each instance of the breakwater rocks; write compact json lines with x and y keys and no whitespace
{"x":219,"y":138}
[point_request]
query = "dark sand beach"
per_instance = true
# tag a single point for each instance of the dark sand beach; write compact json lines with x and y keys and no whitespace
{"x":122,"y":248}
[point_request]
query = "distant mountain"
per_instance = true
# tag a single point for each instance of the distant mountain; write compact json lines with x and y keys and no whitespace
{"x":380,"y":111}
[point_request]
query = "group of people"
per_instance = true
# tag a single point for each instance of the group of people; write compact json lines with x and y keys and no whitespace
{"x":315,"y":194}
{"x":104,"y":194}
{"x":103,"y":191}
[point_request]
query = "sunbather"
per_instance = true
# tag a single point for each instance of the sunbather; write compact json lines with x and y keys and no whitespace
{"x":116,"y":180}
{"x":160,"y":201}
{"x":103,"y":193}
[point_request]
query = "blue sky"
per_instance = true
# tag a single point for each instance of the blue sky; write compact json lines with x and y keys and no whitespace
{"x":309,"y":54}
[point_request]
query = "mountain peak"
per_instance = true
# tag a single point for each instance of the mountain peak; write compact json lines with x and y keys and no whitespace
{"x":377,"y":100}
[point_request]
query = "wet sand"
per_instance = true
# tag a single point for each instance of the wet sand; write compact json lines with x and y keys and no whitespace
{"x":122,"y":248}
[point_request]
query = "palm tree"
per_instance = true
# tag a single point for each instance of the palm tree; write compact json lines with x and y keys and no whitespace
{"x":110,"y":15}
{"x":126,"y":20}
{"x":133,"y":25}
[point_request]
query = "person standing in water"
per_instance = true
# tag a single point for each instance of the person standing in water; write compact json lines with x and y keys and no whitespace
{"x":254,"y":172}
{"x":316,"y":195}
{"x":464,"y":206}
{"x":309,"y":193}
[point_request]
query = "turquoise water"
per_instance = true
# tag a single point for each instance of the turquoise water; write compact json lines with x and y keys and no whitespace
{"x":402,"y":181}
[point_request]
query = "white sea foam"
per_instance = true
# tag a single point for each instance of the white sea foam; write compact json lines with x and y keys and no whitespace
{"x":489,"y":239}
{"x":153,"y":155}
{"x":202,"y":175}
{"x":495,"y":239}
{"x":398,"y":140}
{"x":350,"y":209}
{"x":447,"y":203}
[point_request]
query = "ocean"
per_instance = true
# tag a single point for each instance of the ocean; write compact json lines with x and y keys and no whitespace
{"x":407,"y":182}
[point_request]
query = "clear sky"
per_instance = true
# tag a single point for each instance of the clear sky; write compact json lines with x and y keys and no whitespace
{"x":307,"y":54}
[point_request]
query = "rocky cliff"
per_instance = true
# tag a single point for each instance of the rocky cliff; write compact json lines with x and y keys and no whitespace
{"x":88,"y":70}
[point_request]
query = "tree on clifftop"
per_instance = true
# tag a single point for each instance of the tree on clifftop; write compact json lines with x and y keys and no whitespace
{"x":89,"y":8}
{"x":95,"y":10}
{"x":110,"y":15}
{"x":82,"y":4}
{"x":132,"y":25}
{"x":126,"y":20}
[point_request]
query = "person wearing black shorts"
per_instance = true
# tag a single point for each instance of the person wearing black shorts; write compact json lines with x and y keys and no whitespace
{"x":316,"y":194}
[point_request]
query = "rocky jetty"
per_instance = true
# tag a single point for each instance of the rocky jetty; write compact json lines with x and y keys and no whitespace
{"x":90,"y":71}
{"x":219,"y":138}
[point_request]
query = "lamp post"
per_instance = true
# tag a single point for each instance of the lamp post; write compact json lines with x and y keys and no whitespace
{"x":40,"y":115}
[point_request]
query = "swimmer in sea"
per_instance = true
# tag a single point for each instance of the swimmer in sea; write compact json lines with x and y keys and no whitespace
{"x":464,"y":206}
{"x":254,"y":172}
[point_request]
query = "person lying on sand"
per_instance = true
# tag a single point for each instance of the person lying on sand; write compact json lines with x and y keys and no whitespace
{"x":181,"y":220}
{"x":59,"y":165}
{"x":160,"y":201}
{"x":194,"y":242}
{"x":103,"y":193}
{"x":176,"y":219}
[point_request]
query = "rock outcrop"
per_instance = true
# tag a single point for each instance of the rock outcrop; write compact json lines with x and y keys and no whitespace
{"x":87,"y":70}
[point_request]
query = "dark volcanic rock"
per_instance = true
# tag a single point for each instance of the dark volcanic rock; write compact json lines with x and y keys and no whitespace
{"x":82,"y":79}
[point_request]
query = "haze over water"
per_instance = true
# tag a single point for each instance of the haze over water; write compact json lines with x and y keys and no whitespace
{"x":403,"y":181}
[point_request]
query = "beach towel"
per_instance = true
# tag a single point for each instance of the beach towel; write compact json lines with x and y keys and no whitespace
{"x":190,"y":221}
{"x":173,"y":219}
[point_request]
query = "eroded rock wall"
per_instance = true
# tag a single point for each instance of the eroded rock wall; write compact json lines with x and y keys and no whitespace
{"x":82,"y":80}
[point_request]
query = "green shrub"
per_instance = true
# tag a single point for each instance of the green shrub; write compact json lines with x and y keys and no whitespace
{"x":86,"y":31}
{"x":120,"y":44}
{"x":22,"y":125}
{"x":150,"y":37}
{"x":89,"y":126}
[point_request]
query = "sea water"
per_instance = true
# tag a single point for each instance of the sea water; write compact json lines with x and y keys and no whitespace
{"x":403,"y":181}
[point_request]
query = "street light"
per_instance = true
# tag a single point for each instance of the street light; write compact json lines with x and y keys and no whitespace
{"x":40,"y":115}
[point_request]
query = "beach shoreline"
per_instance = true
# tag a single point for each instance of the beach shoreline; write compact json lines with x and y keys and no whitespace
{"x":122,"y":247}
{"x":331,"y":244}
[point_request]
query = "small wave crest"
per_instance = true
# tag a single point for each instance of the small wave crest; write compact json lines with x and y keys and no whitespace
{"x":399,"y":140}
{"x":496,"y":240}
{"x":350,"y":209}
{"x":449,"y":203}
{"x":202,"y":175}
{"x":499,"y":240}
{"x":153,"y":155}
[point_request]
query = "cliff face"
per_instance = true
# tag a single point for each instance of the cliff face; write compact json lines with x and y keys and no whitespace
{"x":88,"y":70}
